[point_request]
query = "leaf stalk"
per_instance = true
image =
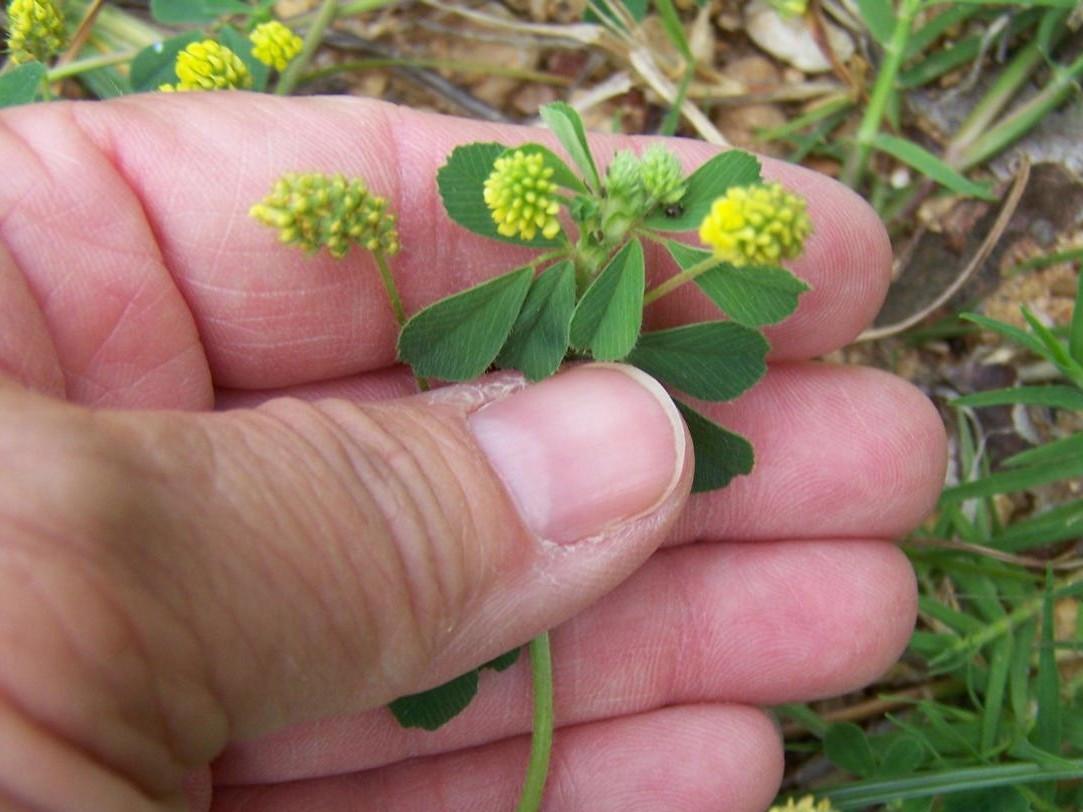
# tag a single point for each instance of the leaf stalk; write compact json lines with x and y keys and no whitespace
{"x":541,"y":742}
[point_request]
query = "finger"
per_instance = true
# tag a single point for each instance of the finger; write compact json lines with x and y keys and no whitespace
{"x":840,"y":451}
{"x":266,"y":315}
{"x":748,"y":623}
{"x":682,"y":759}
{"x":257,"y":568}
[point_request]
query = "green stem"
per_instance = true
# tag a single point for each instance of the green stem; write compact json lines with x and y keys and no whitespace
{"x":395,"y":301}
{"x":675,"y":281}
{"x":1020,"y":120}
{"x":313,"y":37}
{"x":78,"y":66}
{"x":389,"y":286}
{"x":1004,"y":88}
{"x":541,"y":742}
{"x":894,"y":53}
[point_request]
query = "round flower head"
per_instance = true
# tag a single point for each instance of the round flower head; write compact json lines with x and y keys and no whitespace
{"x":315,"y":210}
{"x":207,"y":65}
{"x":756,"y":225}
{"x":519,"y":194}
{"x":663,"y":178}
{"x":806,"y":804}
{"x":35,"y":30}
{"x":274,"y":45}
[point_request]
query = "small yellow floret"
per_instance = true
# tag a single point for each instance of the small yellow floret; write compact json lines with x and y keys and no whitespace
{"x":518,"y":193}
{"x":329,"y":211}
{"x":806,"y":804}
{"x":274,"y":45}
{"x":756,"y":225}
{"x":35,"y":30}
{"x":208,"y":65}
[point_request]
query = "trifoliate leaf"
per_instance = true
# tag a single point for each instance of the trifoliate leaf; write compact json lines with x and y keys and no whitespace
{"x":437,"y":706}
{"x":242,"y":46}
{"x":848,"y":747}
{"x":457,"y":338}
{"x":539,"y":339}
{"x":461,"y":182}
{"x":711,"y":180}
{"x":154,"y":65}
{"x":608,"y":317}
{"x":20,"y":85}
{"x":567,"y":126}
{"x":720,"y":455}
{"x":749,"y":295}
{"x":712,"y":360}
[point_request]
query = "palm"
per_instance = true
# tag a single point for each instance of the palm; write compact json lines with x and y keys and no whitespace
{"x":132,"y":277}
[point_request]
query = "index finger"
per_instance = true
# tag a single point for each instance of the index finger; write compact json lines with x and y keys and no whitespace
{"x":268,"y":316}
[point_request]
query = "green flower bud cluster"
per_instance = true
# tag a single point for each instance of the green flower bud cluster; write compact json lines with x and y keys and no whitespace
{"x":274,"y":44}
{"x":756,"y":225}
{"x":314,"y":210}
{"x":35,"y":30}
{"x":209,"y":65}
{"x":634,"y":186}
{"x":663,"y":176}
{"x":519,"y":194}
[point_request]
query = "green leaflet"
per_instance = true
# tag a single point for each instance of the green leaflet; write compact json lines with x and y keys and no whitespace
{"x":457,"y":338}
{"x":242,"y":46}
{"x":712,"y":360}
{"x":435,"y":707}
{"x":720,"y":455}
{"x":750,"y":296}
{"x":462,"y":188}
{"x":710,"y":181}
{"x":20,"y":85}
{"x":567,"y":126}
{"x":848,"y":747}
{"x":153,"y":66}
{"x":539,"y":339}
{"x":609,"y":315}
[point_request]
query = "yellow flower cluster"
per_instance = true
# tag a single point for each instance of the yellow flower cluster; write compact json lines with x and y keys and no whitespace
{"x":314,"y":210}
{"x":35,"y":30}
{"x":756,"y":225}
{"x":806,"y":804}
{"x":208,"y":65}
{"x":274,"y":44}
{"x":519,"y":195}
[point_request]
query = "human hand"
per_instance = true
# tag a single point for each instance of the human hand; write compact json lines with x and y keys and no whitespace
{"x":179,"y":586}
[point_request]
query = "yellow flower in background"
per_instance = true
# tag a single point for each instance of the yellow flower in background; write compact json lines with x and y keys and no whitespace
{"x":806,"y":804}
{"x":274,"y":44}
{"x":35,"y":30}
{"x":519,"y":195}
{"x":756,"y":225}
{"x":208,"y":65}
{"x":314,"y":210}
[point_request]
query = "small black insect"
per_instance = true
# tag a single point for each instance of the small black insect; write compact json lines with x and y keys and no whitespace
{"x":674,"y":210}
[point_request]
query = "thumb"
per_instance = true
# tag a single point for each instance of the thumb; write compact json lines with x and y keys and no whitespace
{"x":301,"y":559}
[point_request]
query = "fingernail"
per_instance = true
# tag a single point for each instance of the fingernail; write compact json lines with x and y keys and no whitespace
{"x":591,"y":448}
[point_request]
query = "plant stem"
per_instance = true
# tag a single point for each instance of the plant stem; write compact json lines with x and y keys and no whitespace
{"x":75,"y":67}
{"x":389,"y":286}
{"x":675,"y":281}
{"x":894,"y":53}
{"x":395,"y":301}
{"x":996,"y":99}
{"x":313,"y":37}
{"x":1020,"y":120}
{"x":541,"y":742}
